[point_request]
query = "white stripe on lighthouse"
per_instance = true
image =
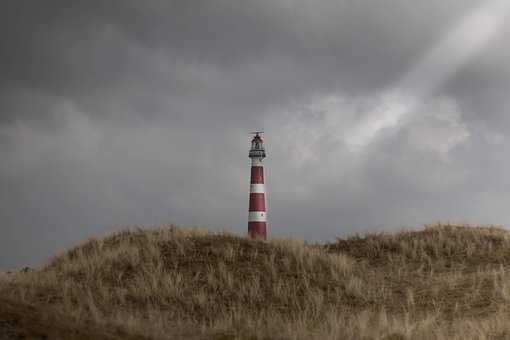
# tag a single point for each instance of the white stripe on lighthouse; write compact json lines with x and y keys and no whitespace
{"x":257,"y":216}
{"x":257,"y":189}
{"x":256,"y":162}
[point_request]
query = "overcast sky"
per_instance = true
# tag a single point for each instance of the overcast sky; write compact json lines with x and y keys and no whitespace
{"x":378,"y":115}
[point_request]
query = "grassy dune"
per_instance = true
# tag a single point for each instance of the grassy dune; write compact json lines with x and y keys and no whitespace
{"x":443,"y":282}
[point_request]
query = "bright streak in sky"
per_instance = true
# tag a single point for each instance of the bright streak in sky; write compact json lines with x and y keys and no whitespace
{"x":464,"y":41}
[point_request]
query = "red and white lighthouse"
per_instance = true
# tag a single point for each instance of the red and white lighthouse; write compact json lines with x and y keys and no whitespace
{"x":257,"y":220}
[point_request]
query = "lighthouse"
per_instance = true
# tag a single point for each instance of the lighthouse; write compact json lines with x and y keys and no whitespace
{"x":257,"y":220}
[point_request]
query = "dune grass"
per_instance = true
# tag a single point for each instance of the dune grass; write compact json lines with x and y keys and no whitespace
{"x":442,"y":282}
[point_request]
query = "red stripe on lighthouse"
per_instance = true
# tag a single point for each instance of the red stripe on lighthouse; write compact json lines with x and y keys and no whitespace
{"x":257,"y":175}
{"x":257,"y":230}
{"x":257,"y":202}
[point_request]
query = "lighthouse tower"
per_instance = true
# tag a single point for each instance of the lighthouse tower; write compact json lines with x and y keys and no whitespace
{"x":257,"y":211}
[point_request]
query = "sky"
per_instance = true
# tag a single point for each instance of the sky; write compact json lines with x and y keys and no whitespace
{"x":378,"y":116}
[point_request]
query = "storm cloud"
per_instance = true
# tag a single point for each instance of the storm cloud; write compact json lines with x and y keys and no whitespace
{"x":377,"y":116}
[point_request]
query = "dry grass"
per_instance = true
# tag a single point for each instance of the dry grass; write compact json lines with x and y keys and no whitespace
{"x":443,"y":282}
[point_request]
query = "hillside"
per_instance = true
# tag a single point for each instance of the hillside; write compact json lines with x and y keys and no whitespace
{"x":442,"y":282}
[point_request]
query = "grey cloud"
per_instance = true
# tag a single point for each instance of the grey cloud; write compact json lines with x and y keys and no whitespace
{"x":121,"y":112}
